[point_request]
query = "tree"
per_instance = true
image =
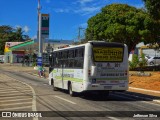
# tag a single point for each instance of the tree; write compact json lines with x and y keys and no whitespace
{"x":19,"y":34}
{"x":9,"y":34}
{"x":122,"y":23}
{"x":134,"y":63}
{"x":153,"y":8}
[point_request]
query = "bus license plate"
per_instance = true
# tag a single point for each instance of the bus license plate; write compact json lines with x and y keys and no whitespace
{"x":107,"y":87}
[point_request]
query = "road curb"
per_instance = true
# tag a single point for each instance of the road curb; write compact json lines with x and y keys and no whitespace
{"x":152,"y":91}
{"x":145,"y":90}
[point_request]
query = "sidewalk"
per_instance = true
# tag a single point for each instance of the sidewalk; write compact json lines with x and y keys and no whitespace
{"x":19,"y":68}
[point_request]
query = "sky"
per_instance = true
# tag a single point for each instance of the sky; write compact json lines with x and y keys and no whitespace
{"x":66,"y":16}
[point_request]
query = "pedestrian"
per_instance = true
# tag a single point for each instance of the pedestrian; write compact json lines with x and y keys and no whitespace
{"x":41,"y":71}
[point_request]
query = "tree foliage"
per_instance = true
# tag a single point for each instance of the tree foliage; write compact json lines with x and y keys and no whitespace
{"x":137,"y":62}
{"x":153,"y":8}
{"x":134,"y":63}
{"x":9,"y":34}
{"x":122,"y":23}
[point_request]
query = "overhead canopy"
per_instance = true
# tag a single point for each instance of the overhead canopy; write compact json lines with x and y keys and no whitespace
{"x":22,"y":44}
{"x":32,"y":46}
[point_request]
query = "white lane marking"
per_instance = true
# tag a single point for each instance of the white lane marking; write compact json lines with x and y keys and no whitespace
{"x":15,"y":91}
{"x":33,"y":98}
{"x":8,"y":87}
{"x":15,"y":103}
{"x":12,"y":89}
{"x":65,"y":100}
{"x":113,"y":118}
{"x":11,"y":100}
{"x":16,"y":108}
{"x":144,"y":90}
{"x":2,"y":98}
{"x":12,"y":94}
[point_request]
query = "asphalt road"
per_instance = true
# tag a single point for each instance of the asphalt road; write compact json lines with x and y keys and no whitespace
{"x":32,"y":93}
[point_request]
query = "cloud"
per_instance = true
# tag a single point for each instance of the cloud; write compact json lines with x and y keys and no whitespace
{"x":139,"y":5}
{"x":87,"y":7}
{"x":84,"y":1}
{"x":34,"y":37}
{"x":83,"y":25}
{"x":62,"y":10}
{"x":18,"y":26}
{"x":26,"y":29}
{"x":87,"y":10}
{"x":81,"y":7}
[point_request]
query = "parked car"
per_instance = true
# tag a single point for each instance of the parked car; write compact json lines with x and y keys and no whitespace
{"x":153,"y":61}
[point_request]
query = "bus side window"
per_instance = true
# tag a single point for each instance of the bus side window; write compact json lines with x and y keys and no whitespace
{"x":71,"y":54}
{"x":53,"y":56}
{"x":55,"y":60}
{"x":76,"y":53}
{"x":81,"y":52}
{"x":64,"y":61}
{"x":71,"y":58}
{"x":79,"y":57}
{"x":58,"y":59}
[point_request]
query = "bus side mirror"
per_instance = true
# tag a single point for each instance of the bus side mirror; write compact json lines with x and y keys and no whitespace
{"x":93,"y":70}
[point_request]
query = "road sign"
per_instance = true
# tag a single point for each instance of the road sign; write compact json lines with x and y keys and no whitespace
{"x":45,"y":25}
{"x":39,"y":61}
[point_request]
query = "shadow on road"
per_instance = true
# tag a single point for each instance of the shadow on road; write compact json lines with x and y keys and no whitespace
{"x":119,"y":96}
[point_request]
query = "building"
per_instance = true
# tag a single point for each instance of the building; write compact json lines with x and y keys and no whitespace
{"x":19,"y":52}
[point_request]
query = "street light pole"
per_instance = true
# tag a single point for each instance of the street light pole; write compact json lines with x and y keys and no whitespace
{"x":79,"y":33}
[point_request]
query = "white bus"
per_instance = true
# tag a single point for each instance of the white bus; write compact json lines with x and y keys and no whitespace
{"x":94,"y":66}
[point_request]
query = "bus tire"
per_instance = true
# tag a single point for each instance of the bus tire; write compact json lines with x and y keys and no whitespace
{"x":54,"y":88}
{"x":71,"y":93}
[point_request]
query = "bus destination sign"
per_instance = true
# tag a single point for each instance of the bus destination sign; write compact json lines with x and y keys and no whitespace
{"x":108,"y":54}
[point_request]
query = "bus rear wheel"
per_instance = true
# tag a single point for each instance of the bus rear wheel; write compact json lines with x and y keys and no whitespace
{"x":54,"y":88}
{"x":71,"y":93}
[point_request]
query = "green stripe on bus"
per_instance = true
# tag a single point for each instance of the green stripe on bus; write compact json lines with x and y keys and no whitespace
{"x":54,"y":71}
{"x":69,"y":78}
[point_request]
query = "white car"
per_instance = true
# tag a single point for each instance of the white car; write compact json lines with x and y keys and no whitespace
{"x":153,"y":61}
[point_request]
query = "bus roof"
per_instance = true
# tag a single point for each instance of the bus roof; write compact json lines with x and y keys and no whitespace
{"x":75,"y":46}
{"x":93,"y":43}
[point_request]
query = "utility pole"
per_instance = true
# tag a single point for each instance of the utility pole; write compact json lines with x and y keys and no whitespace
{"x":39,"y":35}
{"x":79,"y":33}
